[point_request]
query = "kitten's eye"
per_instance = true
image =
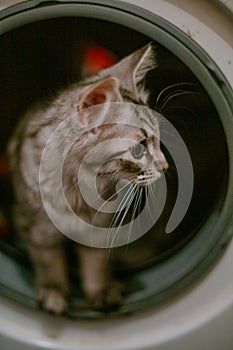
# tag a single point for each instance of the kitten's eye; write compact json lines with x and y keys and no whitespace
{"x":138,"y":150}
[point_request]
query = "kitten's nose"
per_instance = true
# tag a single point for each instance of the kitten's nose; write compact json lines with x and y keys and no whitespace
{"x":164,"y":165}
{"x":161,"y":163}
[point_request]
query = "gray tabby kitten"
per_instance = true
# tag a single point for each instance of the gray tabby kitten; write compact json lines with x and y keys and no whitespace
{"x":123,"y":82}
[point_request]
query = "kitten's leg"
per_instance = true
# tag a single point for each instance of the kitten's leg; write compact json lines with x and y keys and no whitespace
{"x":51,"y":280}
{"x":45,"y":246}
{"x":100,"y":289}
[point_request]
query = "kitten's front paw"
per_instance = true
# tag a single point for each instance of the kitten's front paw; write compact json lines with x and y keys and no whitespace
{"x":52,"y":300}
{"x":108,"y":298}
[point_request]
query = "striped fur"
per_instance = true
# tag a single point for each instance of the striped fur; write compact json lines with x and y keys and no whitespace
{"x":124,"y":82}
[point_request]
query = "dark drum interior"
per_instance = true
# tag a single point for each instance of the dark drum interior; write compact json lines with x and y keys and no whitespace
{"x":39,"y":58}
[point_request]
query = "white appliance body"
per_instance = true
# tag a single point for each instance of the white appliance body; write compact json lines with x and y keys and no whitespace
{"x":201,"y":317}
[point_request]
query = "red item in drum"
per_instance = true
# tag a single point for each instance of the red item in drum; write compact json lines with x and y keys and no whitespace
{"x":97,"y":58}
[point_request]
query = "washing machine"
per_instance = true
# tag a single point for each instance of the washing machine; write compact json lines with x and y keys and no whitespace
{"x":184,"y":299}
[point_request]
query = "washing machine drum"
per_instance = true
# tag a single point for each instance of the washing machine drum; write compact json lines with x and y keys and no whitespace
{"x":46,"y":46}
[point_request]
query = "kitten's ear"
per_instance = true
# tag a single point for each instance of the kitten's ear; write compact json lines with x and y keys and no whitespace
{"x":132,"y":70}
{"x":101,"y":93}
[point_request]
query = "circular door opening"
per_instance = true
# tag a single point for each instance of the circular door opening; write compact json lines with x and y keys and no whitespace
{"x":45,"y":49}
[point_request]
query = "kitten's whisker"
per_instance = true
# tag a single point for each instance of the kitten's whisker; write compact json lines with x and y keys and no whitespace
{"x":121,"y":205}
{"x":172,"y":96}
{"x":153,"y":198}
{"x":124,"y":198}
{"x":115,"y":230}
{"x":169,"y":87}
{"x":136,"y":205}
{"x":152,"y":191}
{"x":128,"y":198}
{"x":140,"y":203}
{"x":133,"y":214}
{"x":112,"y":196}
{"x":109,"y":199}
{"x":115,"y":218}
{"x":143,"y":191}
{"x":147,"y":198}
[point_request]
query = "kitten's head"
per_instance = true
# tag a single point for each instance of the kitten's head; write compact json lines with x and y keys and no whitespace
{"x":140,"y":159}
{"x":112,"y":106}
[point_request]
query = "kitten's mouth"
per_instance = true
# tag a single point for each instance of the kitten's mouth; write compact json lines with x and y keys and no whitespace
{"x":147,"y":178}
